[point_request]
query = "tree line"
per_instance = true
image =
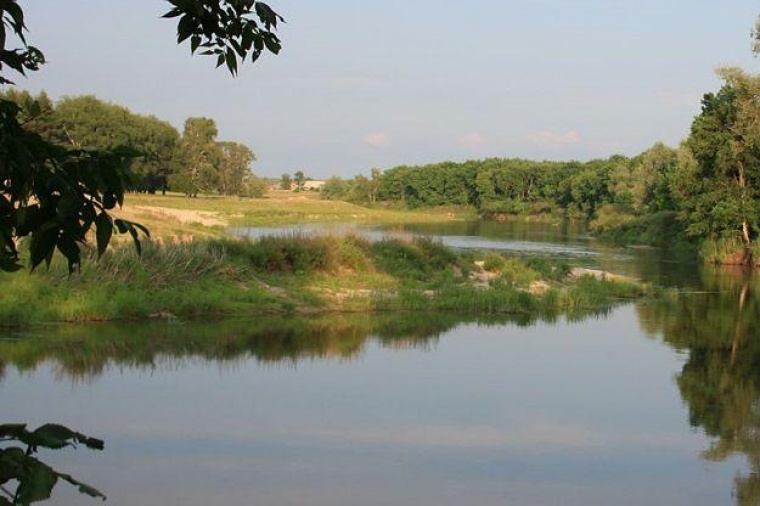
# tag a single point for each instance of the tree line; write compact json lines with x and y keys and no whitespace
{"x":160,"y":158}
{"x":705,"y":191}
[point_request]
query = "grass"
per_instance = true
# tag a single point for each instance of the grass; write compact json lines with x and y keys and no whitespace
{"x":174,"y":216}
{"x":295,"y":274}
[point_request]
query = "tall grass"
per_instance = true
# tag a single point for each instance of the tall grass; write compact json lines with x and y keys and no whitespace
{"x":291,"y":273}
{"x":726,"y":251}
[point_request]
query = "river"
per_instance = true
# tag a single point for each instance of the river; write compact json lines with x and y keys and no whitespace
{"x":651,"y":403}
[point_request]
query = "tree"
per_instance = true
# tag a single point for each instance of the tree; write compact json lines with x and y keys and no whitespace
{"x":254,"y":186}
{"x":644,"y":184}
{"x":286,"y":182}
{"x":334,"y":189}
{"x":234,"y":167}
{"x":89,"y":123}
{"x":56,"y":195}
{"x":300,"y":179}
{"x":375,"y":175}
{"x":200,"y":158}
{"x":718,"y":193}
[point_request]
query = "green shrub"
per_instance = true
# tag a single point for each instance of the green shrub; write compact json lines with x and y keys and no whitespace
{"x":494,"y":262}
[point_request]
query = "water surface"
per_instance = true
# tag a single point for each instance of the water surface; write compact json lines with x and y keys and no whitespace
{"x":649,"y":403}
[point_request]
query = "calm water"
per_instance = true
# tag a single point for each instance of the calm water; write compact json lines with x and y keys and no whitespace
{"x":650,"y":403}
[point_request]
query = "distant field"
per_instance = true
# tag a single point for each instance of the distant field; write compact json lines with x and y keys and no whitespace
{"x":175,"y":215}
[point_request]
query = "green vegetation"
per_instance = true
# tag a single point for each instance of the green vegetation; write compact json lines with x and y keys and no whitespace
{"x":160,"y":158}
{"x":293,"y":273}
{"x":173,"y":216}
{"x":56,"y":192}
{"x":33,"y":479}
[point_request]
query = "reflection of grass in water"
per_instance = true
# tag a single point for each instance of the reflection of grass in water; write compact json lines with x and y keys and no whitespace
{"x":80,"y":352}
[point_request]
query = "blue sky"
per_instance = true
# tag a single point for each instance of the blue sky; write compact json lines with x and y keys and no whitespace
{"x":376,"y":84}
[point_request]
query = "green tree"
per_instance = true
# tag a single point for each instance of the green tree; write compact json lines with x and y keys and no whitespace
{"x":56,"y":195}
{"x":254,"y":186}
{"x":88,"y":123}
{"x":718,"y":193}
{"x":375,"y":175}
{"x":234,"y":167}
{"x":200,"y":158}
{"x":286,"y":182}
{"x":644,"y":184}
{"x":300,"y":179}
{"x":334,"y":189}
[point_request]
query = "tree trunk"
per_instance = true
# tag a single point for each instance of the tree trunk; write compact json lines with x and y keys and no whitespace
{"x":746,"y":238}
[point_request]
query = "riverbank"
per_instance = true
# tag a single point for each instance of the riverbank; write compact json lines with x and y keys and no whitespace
{"x":299,"y":274}
{"x":179,"y":218}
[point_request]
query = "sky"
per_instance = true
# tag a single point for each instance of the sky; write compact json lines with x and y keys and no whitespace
{"x":363,"y":84}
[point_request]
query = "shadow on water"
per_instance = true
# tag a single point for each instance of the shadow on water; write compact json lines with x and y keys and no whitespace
{"x":717,"y":330}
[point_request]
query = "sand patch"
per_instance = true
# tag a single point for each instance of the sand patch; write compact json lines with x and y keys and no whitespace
{"x":205,"y":218}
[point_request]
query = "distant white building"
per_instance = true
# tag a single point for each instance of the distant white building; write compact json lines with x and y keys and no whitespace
{"x":309,"y":186}
{"x":313,"y":185}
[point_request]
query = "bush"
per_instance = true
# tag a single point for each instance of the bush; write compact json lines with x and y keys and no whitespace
{"x":494,"y":262}
{"x":420,"y":259}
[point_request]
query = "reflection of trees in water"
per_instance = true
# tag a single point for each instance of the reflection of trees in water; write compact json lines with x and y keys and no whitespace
{"x":84,"y":352}
{"x":720,"y":381}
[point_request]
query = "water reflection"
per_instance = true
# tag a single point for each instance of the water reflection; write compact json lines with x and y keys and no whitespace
{"x":720,"y":380}
{"x":513,"y":410}
{"x":81,"y":352}
{"x":328,"y":412}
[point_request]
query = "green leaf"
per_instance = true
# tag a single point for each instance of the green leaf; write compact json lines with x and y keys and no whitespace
{"x":185,"y":28}
{"x":13,"y":430}
{"x":136,"y":240}
{"x":69,"y":248}
{"x":43,"y":243}
{"x":52,"y":436}
{"x":231,"y":61}
{"x":38,"y":483}
{"x":70,"y":204}
{"x":121,"y":225}
{"x":103,"y":232}
{"x":172,"y":13}
{"x":142,"y":228}
{"x":83,"y":487}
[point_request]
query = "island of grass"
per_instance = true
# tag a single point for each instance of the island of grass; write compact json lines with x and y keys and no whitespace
{"x":301,"y":274}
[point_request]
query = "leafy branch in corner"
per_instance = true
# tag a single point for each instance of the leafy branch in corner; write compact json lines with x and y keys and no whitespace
{"x":23,"y":478}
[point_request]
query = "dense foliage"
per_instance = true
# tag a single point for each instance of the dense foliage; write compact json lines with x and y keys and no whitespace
{"x":55,"y":186}
{"x":162,"y":159}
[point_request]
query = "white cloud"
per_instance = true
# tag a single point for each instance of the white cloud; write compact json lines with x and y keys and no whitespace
{"x":551,"y":139}
{"x":377,"y":140}
{"x":473,"y":140}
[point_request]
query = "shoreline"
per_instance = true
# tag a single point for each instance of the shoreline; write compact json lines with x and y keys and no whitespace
{"x":301,"y":275}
